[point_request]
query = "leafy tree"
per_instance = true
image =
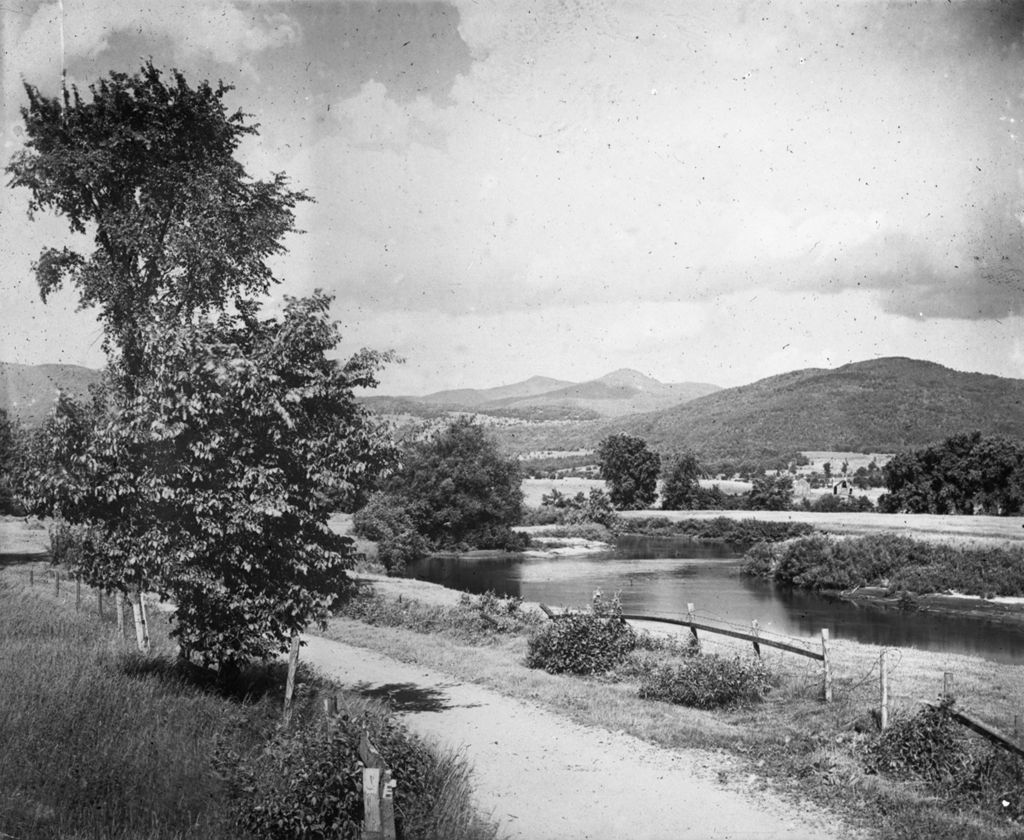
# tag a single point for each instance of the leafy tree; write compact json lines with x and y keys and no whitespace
{"x":205,"y":471}
{"x":771,"y":493}
{"x":148,"y":167}
{"x":630,"y":469}
{"x":681,"y":488}
{"x":826,"y":468}
{"x":458,"y":490}
{"x":10,"y":448}
{"x":964,"y":474}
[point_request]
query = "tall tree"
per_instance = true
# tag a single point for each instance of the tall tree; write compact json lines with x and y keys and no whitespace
{"x":148,"y":168}
{"x":681,"y":488}
{"x":630,"y":469}
{"x":207,"y":469}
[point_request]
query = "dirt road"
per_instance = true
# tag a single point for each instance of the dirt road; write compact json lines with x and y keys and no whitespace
{"x":545,"y":778}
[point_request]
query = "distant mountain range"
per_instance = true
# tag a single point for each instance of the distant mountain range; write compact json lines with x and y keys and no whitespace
{"x":28,"y":392}
{"x":616,"y":394}
{"x":882,"y":405}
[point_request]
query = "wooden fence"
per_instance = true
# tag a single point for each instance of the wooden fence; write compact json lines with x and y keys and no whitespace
{"x":754,"y":637}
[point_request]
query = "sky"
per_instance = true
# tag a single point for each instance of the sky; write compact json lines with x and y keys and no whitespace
{"x":710,"y":190}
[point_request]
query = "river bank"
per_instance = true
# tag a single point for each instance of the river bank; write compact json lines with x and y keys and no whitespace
{"x":792,"y":743}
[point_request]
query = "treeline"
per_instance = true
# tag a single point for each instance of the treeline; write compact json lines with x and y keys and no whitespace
{"x":899,"y":564}
{"x":964,"y":474}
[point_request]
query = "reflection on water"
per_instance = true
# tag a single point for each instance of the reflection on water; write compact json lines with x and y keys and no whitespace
{"x":659,"y":576}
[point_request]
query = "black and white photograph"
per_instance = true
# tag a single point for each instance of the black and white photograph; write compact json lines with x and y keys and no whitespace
{"x":512,"y":420}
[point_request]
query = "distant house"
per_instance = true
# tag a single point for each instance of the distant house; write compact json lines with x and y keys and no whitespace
{"x":801,"y":487}
{"x":843,"y":487}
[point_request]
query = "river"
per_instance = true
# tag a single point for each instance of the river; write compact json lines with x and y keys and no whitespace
{"x":659,"y":576}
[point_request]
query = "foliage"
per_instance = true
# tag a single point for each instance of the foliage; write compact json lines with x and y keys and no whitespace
{"x":458,"y":490}
{"x":771,"y":493}
{"x":739,"y":532}
{"x":475,"y":619}
{"x":11,"y":445}
{"x":148,"y":168}
{"x":630,"y":469}
{"x":966,"y":473}
{"x":681,"y":486}
{"x":206,"y":466}
{"x":897,"y":563}
{"x":833,"y":503}
{"x":708,"y":682}
{"x":595,"y":507}
{"x":383,"y":521}
{"x":928,"y":746}
{"x":305,"y":783}
{"x":211,"y":485}
{"x":582,"y":643}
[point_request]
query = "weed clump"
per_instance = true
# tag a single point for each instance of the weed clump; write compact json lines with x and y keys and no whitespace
{"x":583,"y":643}
{"x":307,"y":783}
{"x":708,"y":682}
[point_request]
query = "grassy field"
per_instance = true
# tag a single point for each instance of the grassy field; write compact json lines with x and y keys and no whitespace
{"x":795,"y":742}
{"x":960,"y":529}
{"x":99,"y":741}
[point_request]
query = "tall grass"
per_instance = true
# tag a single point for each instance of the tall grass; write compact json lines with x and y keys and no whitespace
{"x":92,"y":749}
{"x":97,"y":741}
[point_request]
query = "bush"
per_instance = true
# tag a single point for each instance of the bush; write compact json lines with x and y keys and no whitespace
{"x":305,"y":783}
{"x":708,"y":682}
{"x":739,"y":532}
{"x":926,"y":746}
{"x":384,"y":521}
{"x":583,"y":643}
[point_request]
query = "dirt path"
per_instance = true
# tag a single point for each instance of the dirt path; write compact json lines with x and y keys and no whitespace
{"x":544,"y":777}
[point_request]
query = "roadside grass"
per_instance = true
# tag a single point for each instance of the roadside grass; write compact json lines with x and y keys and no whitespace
{"x":99,"y":741}
{"x":806,"y":748}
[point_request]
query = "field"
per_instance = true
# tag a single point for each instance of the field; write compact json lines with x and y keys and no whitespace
{"x":958,"y":529}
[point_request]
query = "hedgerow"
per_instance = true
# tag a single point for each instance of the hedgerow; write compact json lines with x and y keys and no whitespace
{"x":708,"y":682}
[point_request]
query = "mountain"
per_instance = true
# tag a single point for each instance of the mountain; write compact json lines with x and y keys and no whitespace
{"x":28,"y":392}
{"x":613,"y":395}
{"x":616,"y":394}
{"x":472,"y":398}
{"x":882,"y":405}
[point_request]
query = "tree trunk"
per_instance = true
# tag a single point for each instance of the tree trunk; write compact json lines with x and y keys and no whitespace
{"x":119,"y":610}
{"x":141,"y":624}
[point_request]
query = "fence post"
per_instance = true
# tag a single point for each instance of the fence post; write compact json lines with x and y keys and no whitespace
{"x":693,"y":630}
{"x":883,"y":685}
{"x":947,"y":685}
{"x":78,"y":593}
{"x":31,"y":577}
{"x":372,"y":824}
{"x":757,"y":647}
{"x":119,"y":609}
{"x":289,"y":688}
{"x":330,"y":711}
{"x":826,"y":666}
{"x":56,"y":583}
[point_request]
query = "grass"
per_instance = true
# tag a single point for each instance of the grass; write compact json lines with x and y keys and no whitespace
{"x":99,"y":741}
{"x":803,"y":746}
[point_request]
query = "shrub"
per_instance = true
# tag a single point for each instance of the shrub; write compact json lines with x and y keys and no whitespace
{"x":708,"y":682}
{"x":582,"y":643}
{"x":305,"y":783}
{"x":925,"y":746}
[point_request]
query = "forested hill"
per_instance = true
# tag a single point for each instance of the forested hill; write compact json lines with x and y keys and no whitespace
{"x":883,"y":405}
{"x":28,"y":392}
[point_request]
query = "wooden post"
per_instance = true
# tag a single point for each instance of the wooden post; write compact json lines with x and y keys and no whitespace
{"x":141,"y":624}
{"x":289,"y":688}
{"x":330,"y":712}
{"x":826,"y":666}
{"x":31,"y":577}
{"x":947,"y":685}
{"x":56,"y":582}
{"x":693,"y":630}
{"x":119,"y":609}
{"x":883,"y":686}
{"x":78,"y":593}
{"x":372,"y":823}
{"x":387,"y":806}
{"x":757,"y":647}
